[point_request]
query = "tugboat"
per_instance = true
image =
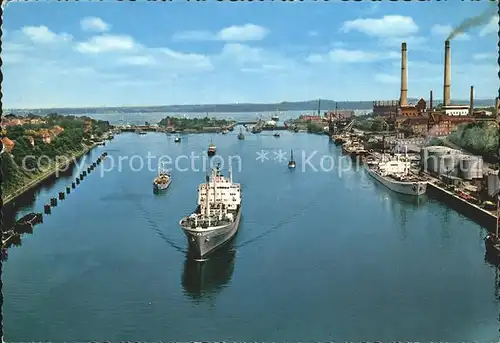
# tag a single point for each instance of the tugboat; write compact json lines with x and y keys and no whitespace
{"x":216,"y":219}
{"x":163,"y":180}
{"x":211,"y":150}
{"x":177,"y":139}
{"x":241,"y":136}
{"x":291,"y":163}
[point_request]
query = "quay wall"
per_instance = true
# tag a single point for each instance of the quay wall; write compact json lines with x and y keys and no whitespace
{"x":476,"y":213}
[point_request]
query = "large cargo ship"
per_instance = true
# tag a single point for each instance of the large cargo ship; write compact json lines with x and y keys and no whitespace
{"x":395,"y":175}
{"x":216,"y":219}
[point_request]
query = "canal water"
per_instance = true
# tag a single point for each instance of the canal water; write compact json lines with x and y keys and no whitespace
{"x":323,"y":253}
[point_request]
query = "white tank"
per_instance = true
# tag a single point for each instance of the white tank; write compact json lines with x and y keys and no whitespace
{"x":493,"y":183}
{"x":448,"y":165}
{"x":430,"y":157}
{"x":471,"y":167}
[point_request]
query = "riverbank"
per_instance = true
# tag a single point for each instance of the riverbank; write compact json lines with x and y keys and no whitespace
{"x":50,"y":170}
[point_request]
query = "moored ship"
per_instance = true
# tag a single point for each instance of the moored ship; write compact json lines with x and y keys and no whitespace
{"x":395,"y":175}
{"x":241,"y":136}
{"x":216,"y":219}
{"x":162,"y":180}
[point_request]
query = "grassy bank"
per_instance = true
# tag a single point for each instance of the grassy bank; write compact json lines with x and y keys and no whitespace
{"x":28,"y":181}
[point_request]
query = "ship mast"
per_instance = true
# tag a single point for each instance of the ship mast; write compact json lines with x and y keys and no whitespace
{"x":207,"y":201}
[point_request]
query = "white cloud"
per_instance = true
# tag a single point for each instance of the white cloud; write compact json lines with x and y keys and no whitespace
{"x":241,"y":53}
{"x":491,"y":27}
{"x":42,"y":34}
{"x":313,"y":33}
{"x":237,"y":33}
{"x":247,"y":32}
{"x":387,"y":26}
{"x":443,"y":31}
{"x":12,"y":58}
{"x":94,"y":24}
{"x":196,"y":61}
{"x":352,"y":56}
{"x":107,"y":43}
{"x":387,"y":78}
{"x":484,"y":56}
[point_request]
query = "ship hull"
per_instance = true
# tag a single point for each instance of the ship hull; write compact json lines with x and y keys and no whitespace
{"x":408,"y":188}
{"x":161,"y":186}
{"x":211,"y":152}
{"x":201,"y":244}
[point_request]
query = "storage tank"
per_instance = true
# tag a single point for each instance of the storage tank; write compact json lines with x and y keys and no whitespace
{"x":430,"y":157}
{"x":471,"y":167}
{"x":493,"y":183}
{"x":449,"y":164}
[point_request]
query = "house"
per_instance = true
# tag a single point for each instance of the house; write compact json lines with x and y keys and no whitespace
{"x":45,"y":136}
{"x":310,"y":118}
{"x":415,"y":125}
{"x":31,"y":140}
{"x":443,"y":125}
{"x":8,"y":144}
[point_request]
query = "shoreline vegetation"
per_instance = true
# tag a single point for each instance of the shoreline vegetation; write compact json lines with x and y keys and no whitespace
{"x":37,"y":147}
{"x":195,"y":125}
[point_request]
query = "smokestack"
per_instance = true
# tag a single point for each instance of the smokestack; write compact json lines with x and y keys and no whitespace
{"x":447,"y":74}
{"x":403,"y":99}
{"x":471,"y":101}
{"x":430,"y":103}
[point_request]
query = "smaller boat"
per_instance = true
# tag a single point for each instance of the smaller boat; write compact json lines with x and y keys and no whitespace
{"x":291,"y":163}
{"x":275,"y":117}
{"x":163,"y":180}
{"x":211,"y":150}
{"x":241,"y":136}
{"x":276,"y":134}
{"x":177,"y":139}
{"x":224,"y":132}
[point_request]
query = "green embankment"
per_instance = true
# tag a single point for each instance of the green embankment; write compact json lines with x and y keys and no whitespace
{"x":27,"y":165}
{"x":195,"y":124}
{"x":478,"y":138}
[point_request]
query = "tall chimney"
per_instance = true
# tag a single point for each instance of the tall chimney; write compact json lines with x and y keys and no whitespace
{"x":430,"y":103}
{"x":403,"y":99}
{"x":447,"y":74}
{"x":471,"y":101}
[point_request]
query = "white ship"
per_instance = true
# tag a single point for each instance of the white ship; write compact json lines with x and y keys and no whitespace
{"x":395,"y":175}
{"x":217,"y":216}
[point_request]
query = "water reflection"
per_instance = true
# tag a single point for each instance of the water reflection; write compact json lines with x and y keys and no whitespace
{"x":206,"y":278}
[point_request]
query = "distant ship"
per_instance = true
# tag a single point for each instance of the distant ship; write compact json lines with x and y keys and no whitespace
{"x":275,"y":117}
{"x":177,"y":139}
{"x":276,"y":134}
{"x":241,"y":136}
{"x":211,"y":150}
{"x":217,"y":216}
{"x":394,"y":174}
{"x":140,"y":132}
{"x":162,"y":180}
{"x":224,"y":132}
{"x":291,"y":163}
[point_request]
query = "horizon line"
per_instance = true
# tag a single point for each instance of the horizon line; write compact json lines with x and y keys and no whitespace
{"x":236,"y":103}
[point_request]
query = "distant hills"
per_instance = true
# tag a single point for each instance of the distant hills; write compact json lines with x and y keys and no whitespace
{"x":310,"y":105}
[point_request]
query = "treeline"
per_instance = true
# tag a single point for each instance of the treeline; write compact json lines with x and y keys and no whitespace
{"x":18,"y":170}
{"x":478,"y":138}
{"x":194,"y":123}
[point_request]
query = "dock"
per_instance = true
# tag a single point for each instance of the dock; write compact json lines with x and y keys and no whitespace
{"x":480,"y":215}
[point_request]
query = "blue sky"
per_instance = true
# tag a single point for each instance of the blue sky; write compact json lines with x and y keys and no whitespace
{"x":58,"y":54}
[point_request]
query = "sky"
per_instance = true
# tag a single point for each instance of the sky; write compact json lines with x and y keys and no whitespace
{"x":63,"y":54}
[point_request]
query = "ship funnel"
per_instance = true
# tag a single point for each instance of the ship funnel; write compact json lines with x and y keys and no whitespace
{"x":403,"y":99}
{"x":447,"y":74}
